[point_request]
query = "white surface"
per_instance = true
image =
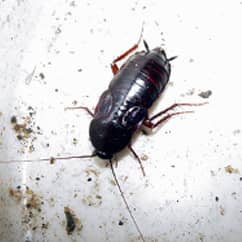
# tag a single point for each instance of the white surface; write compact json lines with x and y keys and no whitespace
{"x":186,"y":157}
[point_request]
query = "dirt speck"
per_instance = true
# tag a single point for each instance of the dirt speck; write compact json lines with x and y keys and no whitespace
{"x":52,"y":160}
{"x":120,"y":223}
{"x":98,"y":196}
{"x":74,"y":102}
{"x":33,"y":200}
{"x":13,"y":120}
{"x":221,"y":210}
{"x":92,"y":200}
{"x":205,"y":94}
{"x":92,"y":171}
{"x":24,"y":128}
{"x":16,"y":194}
{"x":236,"y":131}
{"x":112,"y":181}
{"x":44,"y":225}
{"x":212,"y":173}
{"x":229,"y":169}
{"x":42,"y":76}
{"x":144,"y":157}
{"x":189,"y":92}
{"x":75,"y":141}
{"x":72,"y":222}
{"x":32,"y":209}
{"x":234,"y":195}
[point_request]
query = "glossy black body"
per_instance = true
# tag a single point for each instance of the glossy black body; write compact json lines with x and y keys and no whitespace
{"x":123,"y":107}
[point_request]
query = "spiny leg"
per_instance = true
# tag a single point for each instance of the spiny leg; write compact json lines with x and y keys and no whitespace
{"x":149,"y":124}
{"x":81,"y":107}
{"x":137,"y":157}
{"x":174,"y":106}
{"x":114,"y":65}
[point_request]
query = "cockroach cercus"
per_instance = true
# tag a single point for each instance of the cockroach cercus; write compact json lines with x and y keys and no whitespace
{"x":123,"y":108}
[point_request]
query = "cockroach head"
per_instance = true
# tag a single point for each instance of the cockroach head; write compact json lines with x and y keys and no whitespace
{"x":108,"y":138}
{"x":103,"y":155}
{"x":163,"y":53}
{"x":161,"y":57}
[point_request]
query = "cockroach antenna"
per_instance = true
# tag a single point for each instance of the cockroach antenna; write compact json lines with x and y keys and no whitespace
{"x":146,"y":46}
{"x":51,"y":159}
{"x":125,"y":201}
{"x":172,"y":58}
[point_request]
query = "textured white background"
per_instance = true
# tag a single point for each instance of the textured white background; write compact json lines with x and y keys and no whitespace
{"x":176,"y":201}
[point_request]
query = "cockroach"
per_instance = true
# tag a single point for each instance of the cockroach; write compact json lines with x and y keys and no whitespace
{"x":123,"y":108}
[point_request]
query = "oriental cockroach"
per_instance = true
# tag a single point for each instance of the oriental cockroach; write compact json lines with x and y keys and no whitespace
{"x":123,"y":108}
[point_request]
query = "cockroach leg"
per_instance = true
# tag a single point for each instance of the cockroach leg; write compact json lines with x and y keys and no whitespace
{"x":149,"y":124}
{"x":137,"y":157}
{"x":114,"y":65}
{"x":114,"y":68}
{"x":174,"y":106}
{"x":81,"y":107}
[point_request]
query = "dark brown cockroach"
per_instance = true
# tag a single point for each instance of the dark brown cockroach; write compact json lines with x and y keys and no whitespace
{"x":123,"y":108}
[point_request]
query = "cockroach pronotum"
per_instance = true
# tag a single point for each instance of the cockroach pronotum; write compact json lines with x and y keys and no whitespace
{"x":123,"y":108}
